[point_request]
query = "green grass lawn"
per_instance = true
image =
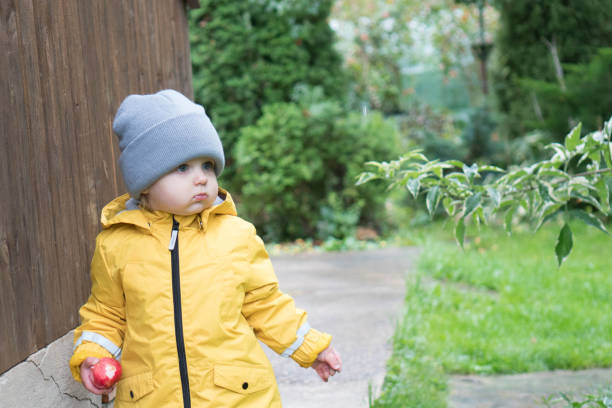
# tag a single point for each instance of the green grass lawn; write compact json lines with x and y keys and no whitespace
{"x":500,"y":306}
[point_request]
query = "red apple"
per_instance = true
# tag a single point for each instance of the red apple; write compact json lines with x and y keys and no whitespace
{"x":106,"y":372}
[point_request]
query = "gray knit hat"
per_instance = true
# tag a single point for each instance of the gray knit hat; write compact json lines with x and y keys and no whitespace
{"x":159,"y":132}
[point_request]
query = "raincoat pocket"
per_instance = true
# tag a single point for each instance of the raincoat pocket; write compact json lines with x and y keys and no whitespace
{"x":242,"y":380}
{"x":135,"y":387}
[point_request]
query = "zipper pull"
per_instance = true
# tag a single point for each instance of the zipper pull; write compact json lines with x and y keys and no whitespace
{"x":174,"y":236}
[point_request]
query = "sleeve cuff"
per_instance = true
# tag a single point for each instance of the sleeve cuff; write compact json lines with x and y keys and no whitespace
{"x":83,"y":351}
{"x":314,"y":343}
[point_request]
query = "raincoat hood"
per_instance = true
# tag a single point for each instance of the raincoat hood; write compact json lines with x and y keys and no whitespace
{"x":123,"y":210}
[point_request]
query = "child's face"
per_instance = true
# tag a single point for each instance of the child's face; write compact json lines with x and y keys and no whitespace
{"x":187,"y":190}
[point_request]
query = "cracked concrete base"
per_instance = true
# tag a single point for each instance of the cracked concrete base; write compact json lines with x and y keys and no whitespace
{"x":44,"y":381}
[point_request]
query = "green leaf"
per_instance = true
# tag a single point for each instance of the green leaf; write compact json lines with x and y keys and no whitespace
{"x":573,"y":138}
{"x":413,"y":186}
{"x":365,"y":177}
{"x":416,"y":154}
{"x":589,"y":219}
{"x":582,"y":181}
{"x":553,"y":173}
{"x":447,"y":202}
{"x":495,"y":196}
{"x":433,"y":198}
{"x":543,"y":190}
{"x":375,"y":164}
{"x":471,"y":203}
{"x":517,"y":176}
{"x":549,"y":212}
{"x":595,"y":155}
{"x":604,"y":194}
{"x":564,"y":243}
{"x":479,"y":216}
{"x":455,"y":163}
{"x":460,"y":231}
{"x":561,"y":152}
{"x":487,"y":167}
{"x":459,"y":176}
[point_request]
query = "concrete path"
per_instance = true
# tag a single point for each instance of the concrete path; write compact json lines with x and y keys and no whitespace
{"x":356,"y":297}
{"x":524,"y":390}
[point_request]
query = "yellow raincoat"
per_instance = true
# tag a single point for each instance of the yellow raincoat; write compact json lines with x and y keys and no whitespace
{"x":185,"y":322}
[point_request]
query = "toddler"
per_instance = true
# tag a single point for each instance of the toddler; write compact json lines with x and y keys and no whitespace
{"x":181,"y":287}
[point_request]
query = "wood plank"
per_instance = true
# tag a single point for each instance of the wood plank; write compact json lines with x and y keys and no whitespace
{"x":70,"y":63}
{"x":11,"y":93}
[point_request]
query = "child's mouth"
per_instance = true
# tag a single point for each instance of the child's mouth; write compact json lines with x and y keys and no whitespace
{"x":200,"y":197}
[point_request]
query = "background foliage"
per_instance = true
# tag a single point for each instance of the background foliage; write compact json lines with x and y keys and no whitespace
{"x":572,"y":184}
{"x":391,"y":47}
{"x":247,"y":54}
{"x":585,"y":96}
{"x":258,"y":63}
{"x":274,"y":86}
{"x":530,"y":32}
{"x":299,"y":163}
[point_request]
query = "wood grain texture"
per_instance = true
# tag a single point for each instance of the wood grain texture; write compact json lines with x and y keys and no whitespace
{"x":69,"y":65}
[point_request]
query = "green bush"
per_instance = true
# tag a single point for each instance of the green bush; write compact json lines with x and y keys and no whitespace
{"x":247,"y":54}
{"x":299,"y":164}
{"x":587,"y":97}
{"x":577,"y":28}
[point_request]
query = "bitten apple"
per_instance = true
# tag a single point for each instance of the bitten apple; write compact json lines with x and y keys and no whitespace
{"x":106,"y":372}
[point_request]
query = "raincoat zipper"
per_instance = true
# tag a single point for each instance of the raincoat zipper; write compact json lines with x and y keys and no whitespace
{"x":178,"y":314}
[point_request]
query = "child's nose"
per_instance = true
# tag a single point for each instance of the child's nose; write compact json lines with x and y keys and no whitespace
{"x":200,"y":177}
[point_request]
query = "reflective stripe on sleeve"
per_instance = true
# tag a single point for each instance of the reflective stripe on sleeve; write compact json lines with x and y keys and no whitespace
{"x":100,"y":340}
{"x":298,"y":342}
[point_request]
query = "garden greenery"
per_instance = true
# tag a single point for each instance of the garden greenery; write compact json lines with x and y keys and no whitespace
{"x":273,"y":84}
{"x":537,"y":41}
{"x":573,"y":183}
{"x":247,"y":54}
{"x":586,"y":94}
{"x":298,"y":164}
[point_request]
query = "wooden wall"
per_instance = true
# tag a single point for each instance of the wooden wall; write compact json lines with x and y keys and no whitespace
{"x":65,"y":67}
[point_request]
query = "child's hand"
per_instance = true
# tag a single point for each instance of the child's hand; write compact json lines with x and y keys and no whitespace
{"x":87,"y":377}
{"x":327,"y":363}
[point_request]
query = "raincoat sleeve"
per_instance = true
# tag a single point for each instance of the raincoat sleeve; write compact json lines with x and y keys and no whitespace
{"x":102,"y":317}
{"x":272,"y":314}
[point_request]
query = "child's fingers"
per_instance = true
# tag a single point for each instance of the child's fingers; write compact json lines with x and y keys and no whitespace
{"x":322,"y":370}
{"x":87,"y":377}
{"x":89,"y":362}
{"x":333,"y":359}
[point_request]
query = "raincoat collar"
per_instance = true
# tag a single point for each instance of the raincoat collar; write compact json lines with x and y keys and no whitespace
{"x":119,"y":211}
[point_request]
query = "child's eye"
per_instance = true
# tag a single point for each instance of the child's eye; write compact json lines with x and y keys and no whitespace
{"x":208,"y":165}
{"x":182,"y":168}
